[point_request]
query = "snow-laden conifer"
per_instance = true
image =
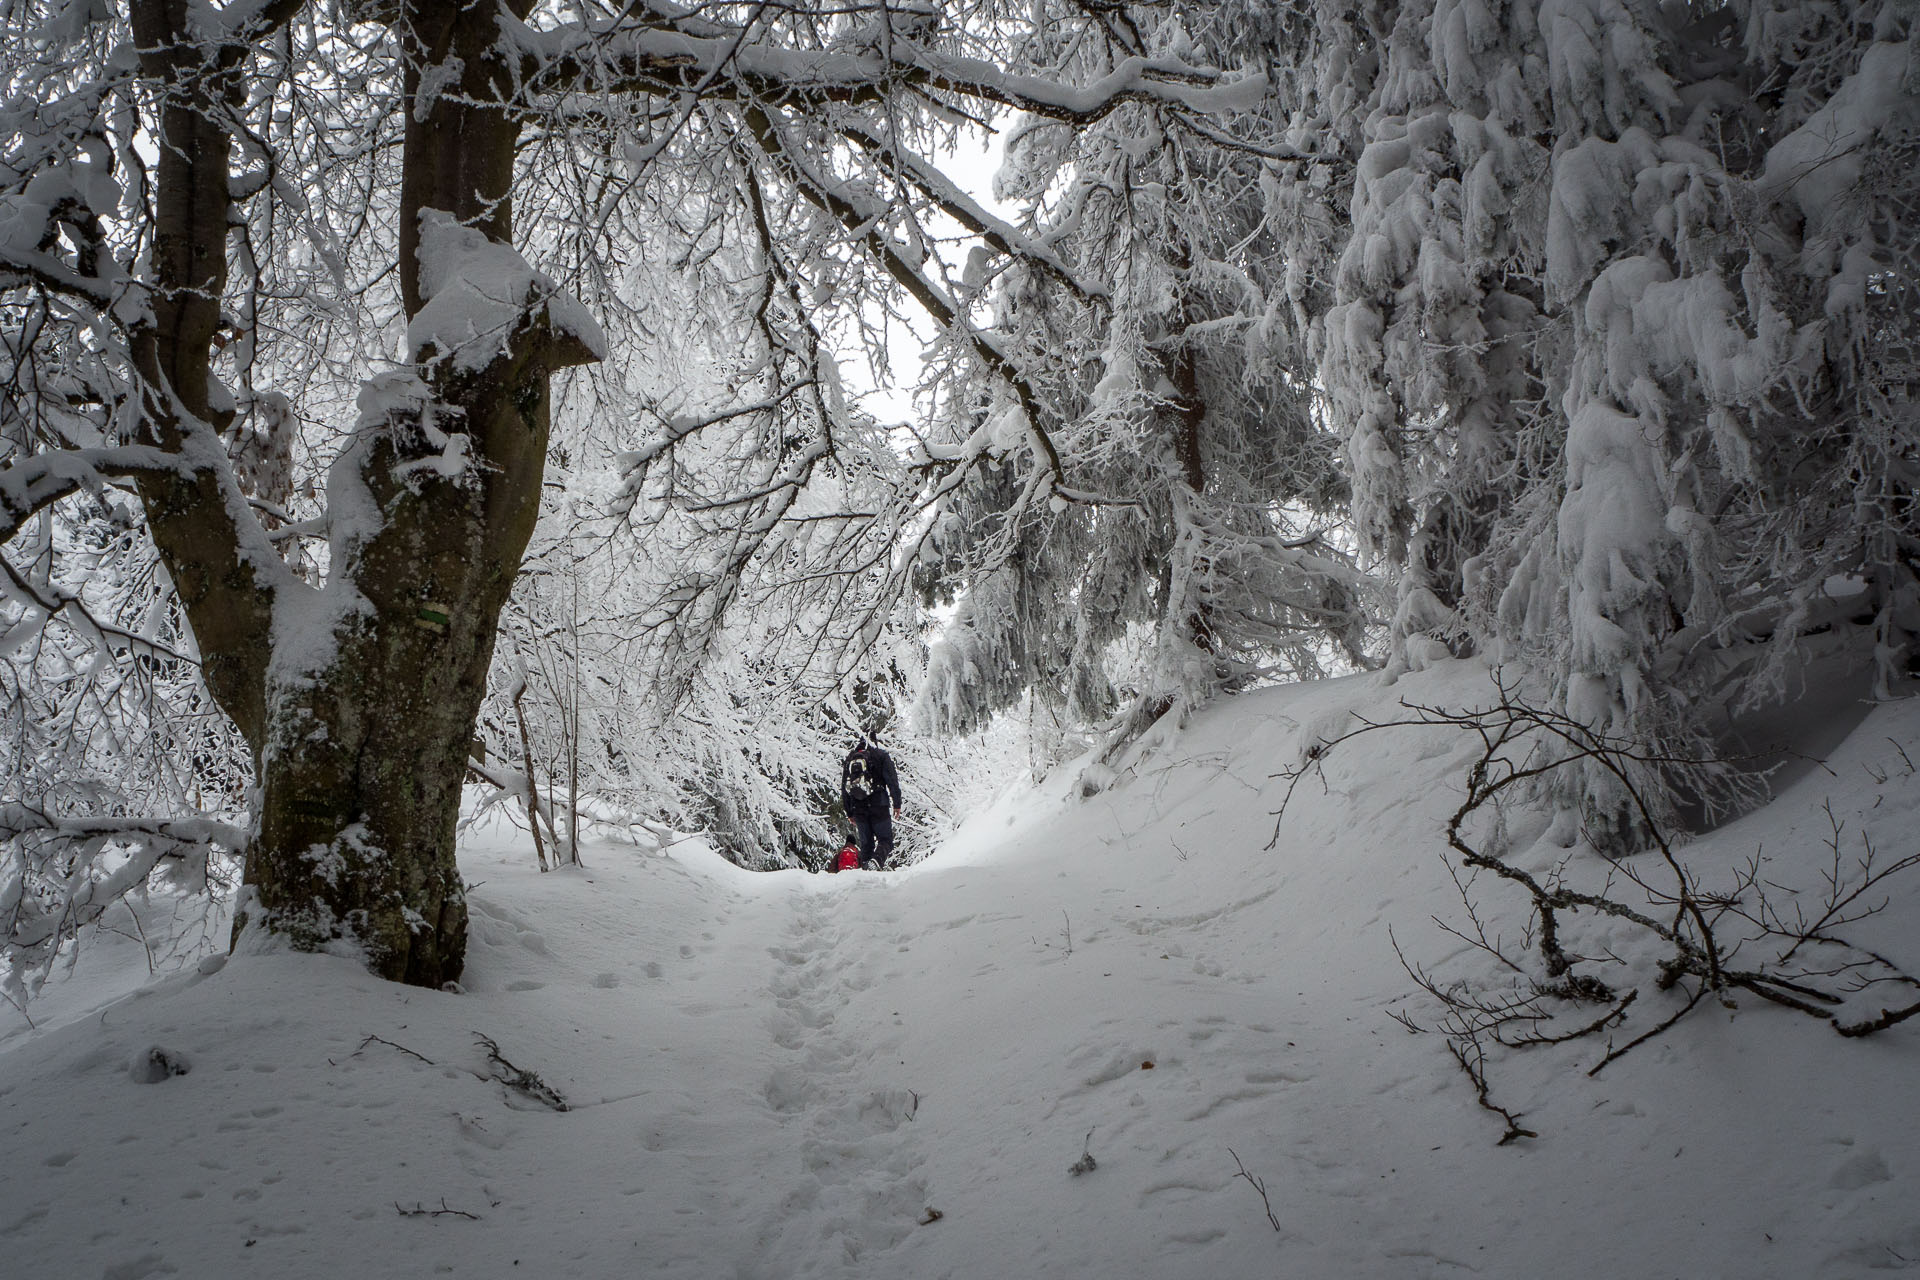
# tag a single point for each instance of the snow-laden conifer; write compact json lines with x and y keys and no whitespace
{"x":1618,"y":345}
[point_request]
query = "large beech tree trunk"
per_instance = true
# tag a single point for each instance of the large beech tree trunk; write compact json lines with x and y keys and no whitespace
{"x":358,"y":699}
{"x":363,"y":759}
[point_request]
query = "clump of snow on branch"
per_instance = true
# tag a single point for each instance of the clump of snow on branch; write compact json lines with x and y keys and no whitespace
{"x":480,"y":294}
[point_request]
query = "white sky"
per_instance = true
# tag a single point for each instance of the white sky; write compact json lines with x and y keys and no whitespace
{"x":972,"y":171}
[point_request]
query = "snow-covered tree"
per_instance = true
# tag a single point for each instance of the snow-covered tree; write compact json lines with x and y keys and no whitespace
{"x":218,"y":220}
{"x":1205,"y":551}
{"x":1618,"y":341}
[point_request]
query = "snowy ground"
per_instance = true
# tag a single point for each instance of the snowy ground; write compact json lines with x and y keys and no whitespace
{"x":890,"y":1076}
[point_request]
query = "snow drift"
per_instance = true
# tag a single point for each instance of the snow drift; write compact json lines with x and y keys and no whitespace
{"x":783,"y":1075}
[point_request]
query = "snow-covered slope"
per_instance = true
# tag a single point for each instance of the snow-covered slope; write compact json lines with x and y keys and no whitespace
{"x":892,"y":1076}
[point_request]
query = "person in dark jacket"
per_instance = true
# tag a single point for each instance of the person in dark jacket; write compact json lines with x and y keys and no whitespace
{"x":870,"y":793}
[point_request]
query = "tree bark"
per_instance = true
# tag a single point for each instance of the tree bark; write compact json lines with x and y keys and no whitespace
{"x":358,"y":699}
{"x":1189,"y":417}
{"x":225,"y":581}
{"x":365,"y":755}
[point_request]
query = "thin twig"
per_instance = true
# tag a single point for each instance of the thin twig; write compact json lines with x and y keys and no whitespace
{"x":391,"y":1045}
{"x":1476,"y":1070}
{"x":1616,"y":1014}
{"x":1639,"y":1040}
{"x":421,"y":1211}
{"x":1258,"y":1184}
{"x":520,"y":1079}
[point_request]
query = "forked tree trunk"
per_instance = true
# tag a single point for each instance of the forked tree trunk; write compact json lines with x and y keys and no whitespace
{"x":359,"y":700}
{"x":364,"y":755}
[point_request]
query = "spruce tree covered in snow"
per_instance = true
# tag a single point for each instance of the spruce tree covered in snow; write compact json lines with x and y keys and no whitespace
{"x":1620,"y":341}
{"x":1199,"y":552}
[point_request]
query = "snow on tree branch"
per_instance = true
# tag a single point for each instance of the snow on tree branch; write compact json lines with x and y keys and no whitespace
{"x":480,"y":294}
{"x":669,"y":56}
{"x":29,"y":485}
{"x":58,"y":875}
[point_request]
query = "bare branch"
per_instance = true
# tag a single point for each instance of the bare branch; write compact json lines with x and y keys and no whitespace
{"x":1511,"y":735}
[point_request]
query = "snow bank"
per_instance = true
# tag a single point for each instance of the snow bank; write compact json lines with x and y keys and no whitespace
{"x":879,"y":1076}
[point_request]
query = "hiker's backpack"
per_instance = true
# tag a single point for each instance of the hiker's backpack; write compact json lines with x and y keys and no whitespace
{"x":848,"y":859}
{"x":859,"y":779}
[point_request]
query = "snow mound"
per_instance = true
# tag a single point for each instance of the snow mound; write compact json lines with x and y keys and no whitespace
{"x":879,"y":1076}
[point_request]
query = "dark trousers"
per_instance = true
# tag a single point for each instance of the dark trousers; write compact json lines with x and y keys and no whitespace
{"x":873,"y":832}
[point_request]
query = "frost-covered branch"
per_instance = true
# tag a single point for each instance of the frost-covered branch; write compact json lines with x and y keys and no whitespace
{"x":656,"y":53}
{"x":31,"y":484}
{"x":998,"y":234}
{"x":866,"y":219}
{"x":60,"y":874}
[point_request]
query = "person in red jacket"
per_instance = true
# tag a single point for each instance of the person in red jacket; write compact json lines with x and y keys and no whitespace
{"x":870,"y":793}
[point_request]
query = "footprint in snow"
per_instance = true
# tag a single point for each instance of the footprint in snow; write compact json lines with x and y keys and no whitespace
{"x":1862,"y":1169}
{"x":789,"y":1089}
{"x":1277,"y":1077}
{"x":150,"y":1264}
{"x":1120,"y":1064}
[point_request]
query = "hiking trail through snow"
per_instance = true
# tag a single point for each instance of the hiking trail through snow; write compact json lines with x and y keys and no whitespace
{"x":871,"y":1077}
{"x":858,"y":1188}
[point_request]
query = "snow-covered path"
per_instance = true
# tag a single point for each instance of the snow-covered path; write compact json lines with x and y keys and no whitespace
{"x":852,"y":1164}
{"x":861,"y":1077}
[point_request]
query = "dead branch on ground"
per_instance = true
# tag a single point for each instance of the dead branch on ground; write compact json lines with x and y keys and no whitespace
{"x":1748,"y":935}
